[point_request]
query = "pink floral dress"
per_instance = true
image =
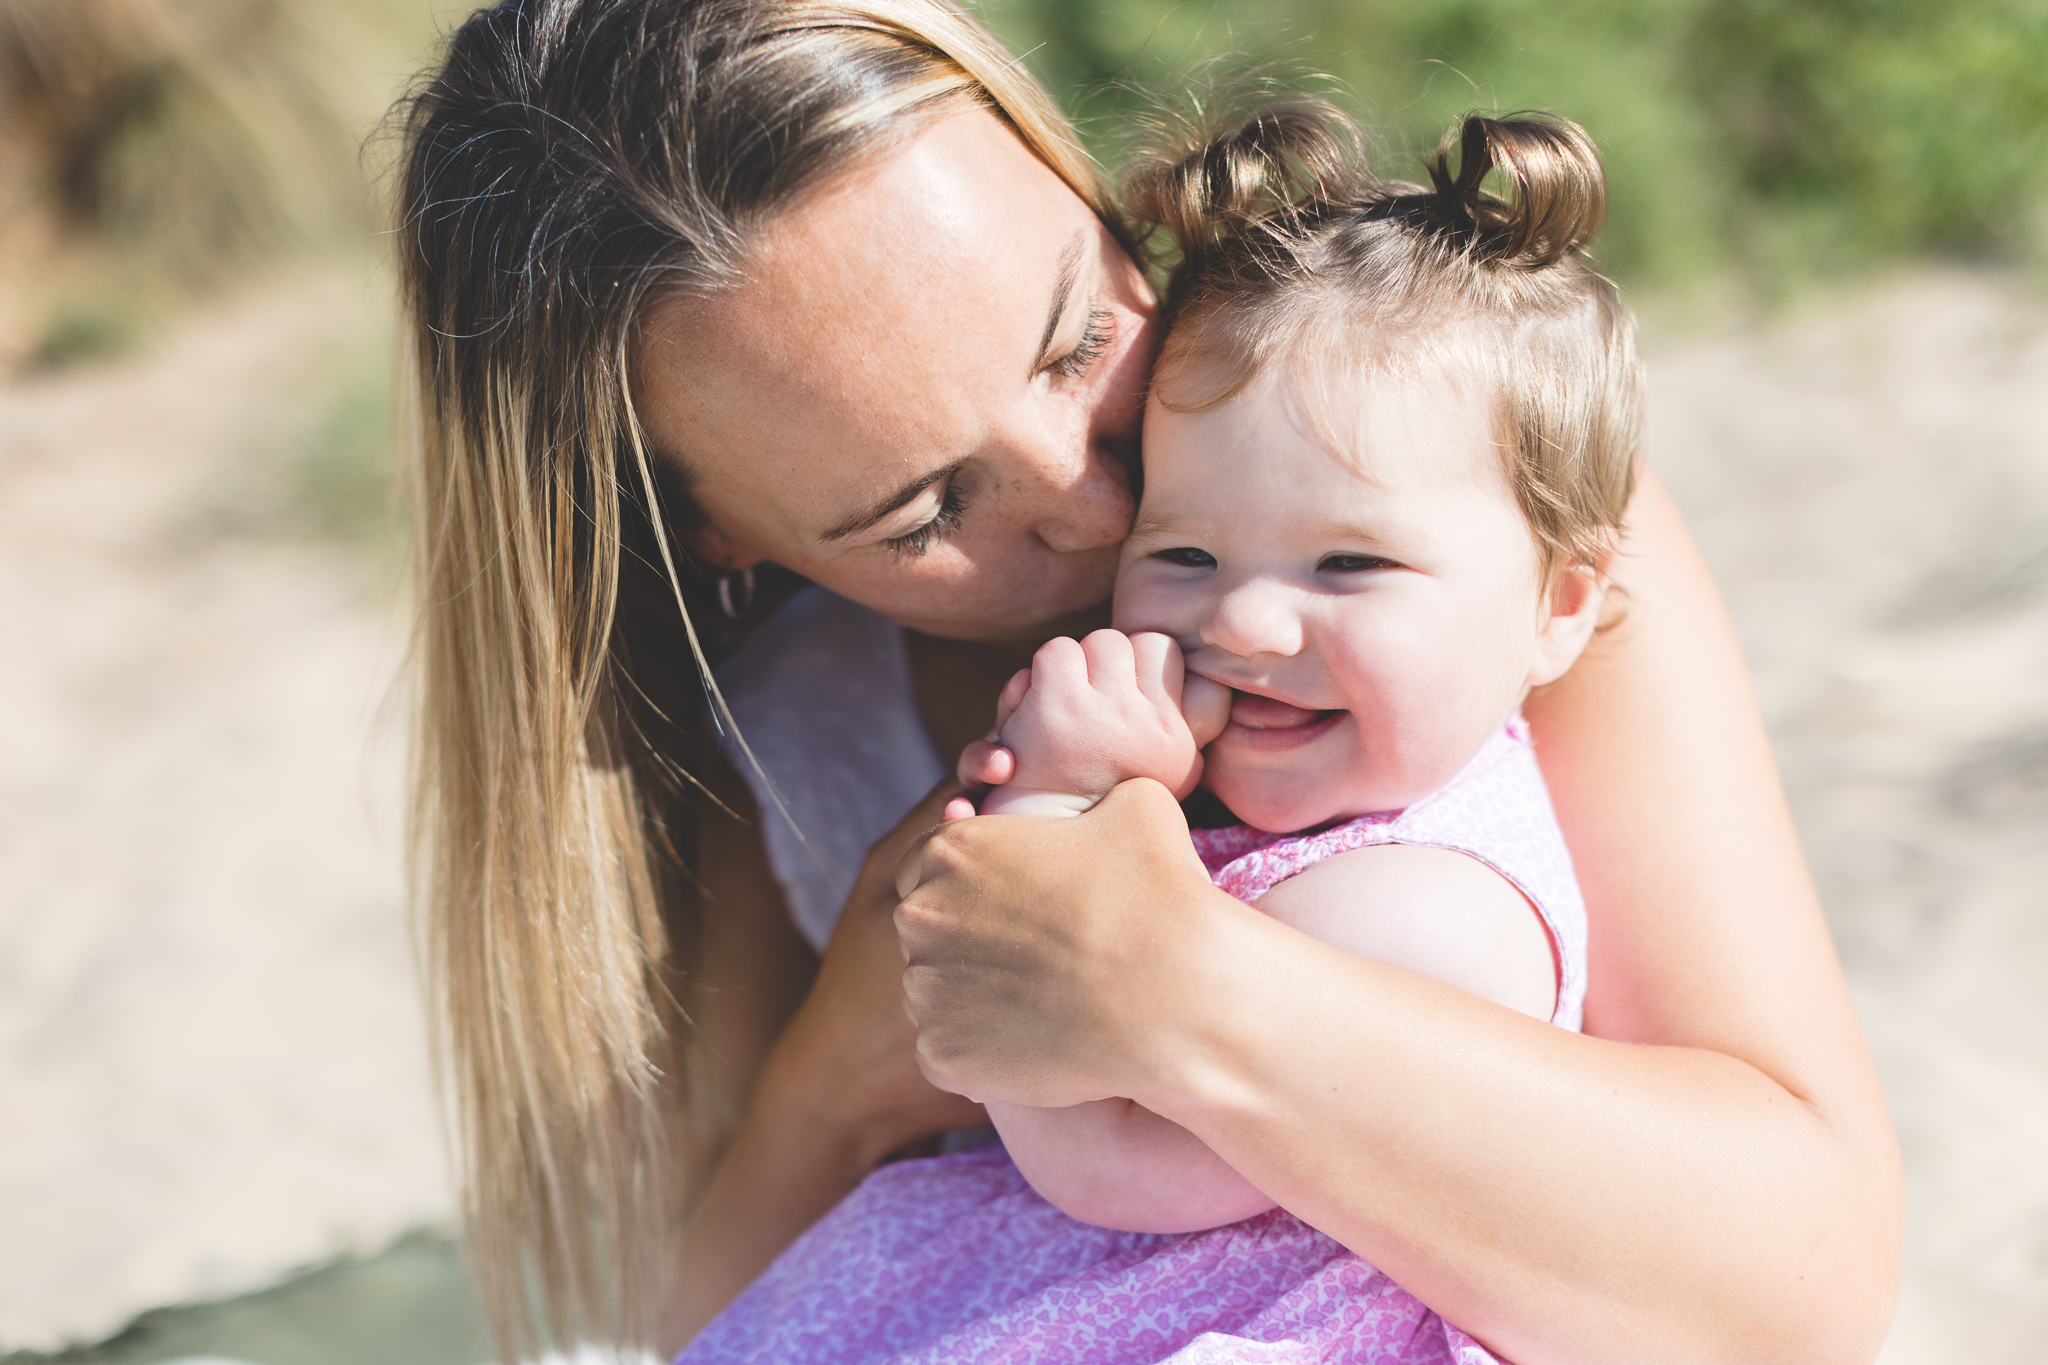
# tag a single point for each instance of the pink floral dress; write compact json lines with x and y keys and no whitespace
{"x":955,"y":1260}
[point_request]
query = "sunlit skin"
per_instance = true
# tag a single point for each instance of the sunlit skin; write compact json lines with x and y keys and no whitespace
{"x":1376,"y":607}
{"x":1373,"y":606}
{"x":782,"y":399}
{"x":948,"y":306}
{"x":926,"y":394}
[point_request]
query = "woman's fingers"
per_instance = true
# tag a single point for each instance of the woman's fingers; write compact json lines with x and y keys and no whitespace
{"x":1030,"y":945}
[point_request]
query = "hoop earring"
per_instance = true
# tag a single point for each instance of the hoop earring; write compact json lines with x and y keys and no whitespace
{"x":746,"y":593}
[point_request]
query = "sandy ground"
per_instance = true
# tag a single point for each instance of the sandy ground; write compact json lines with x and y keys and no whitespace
{"x":212,"y":1066}
{"x":210,"y":1056}
{"x":1870,"y":480}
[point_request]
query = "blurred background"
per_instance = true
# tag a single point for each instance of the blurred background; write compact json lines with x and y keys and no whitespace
{"x":217,"y":1138}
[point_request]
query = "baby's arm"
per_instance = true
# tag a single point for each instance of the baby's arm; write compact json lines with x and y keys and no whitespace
{"x":1085,"y":716}
{"x":1431,"y":911}
{"x":1088,"y":715}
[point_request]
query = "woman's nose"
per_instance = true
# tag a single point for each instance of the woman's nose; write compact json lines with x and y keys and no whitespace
{"x":1088,"y":503}
{"x":1254,"y":618}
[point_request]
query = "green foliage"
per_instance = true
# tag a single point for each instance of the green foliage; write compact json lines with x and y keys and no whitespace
{"x":317,"y":467}
{"x":1771,"y":136}
{"x":83,"y":332}
{"x":406,"y":1305}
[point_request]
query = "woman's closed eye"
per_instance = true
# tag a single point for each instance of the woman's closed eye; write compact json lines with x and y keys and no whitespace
{"x":944,"y":518}
{"x":1094,"y":341}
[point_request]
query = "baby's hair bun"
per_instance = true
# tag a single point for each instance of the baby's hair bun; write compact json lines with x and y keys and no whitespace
{"x":1557,"y":193}
{"x":1264,"y":168}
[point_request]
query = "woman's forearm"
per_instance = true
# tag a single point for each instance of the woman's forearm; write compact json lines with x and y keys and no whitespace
{"x":1729,"y":1188}
{"x":779,"y":1176}
{"x":825,"y":1088}
{"x":1562,"y":1198}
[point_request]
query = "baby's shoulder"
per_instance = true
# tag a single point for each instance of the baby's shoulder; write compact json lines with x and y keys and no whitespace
{"x":1434,"y":911}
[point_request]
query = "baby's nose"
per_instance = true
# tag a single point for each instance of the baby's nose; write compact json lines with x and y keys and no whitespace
{"x":1255,"y":618}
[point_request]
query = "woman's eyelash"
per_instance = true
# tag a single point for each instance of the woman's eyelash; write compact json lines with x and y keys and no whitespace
{"x":1094,"y":341}
{"x":912,"y":543}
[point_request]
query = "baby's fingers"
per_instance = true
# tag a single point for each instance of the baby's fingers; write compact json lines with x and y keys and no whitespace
{"x":986,"y":763}
{"x":1110,"y":660}
{"x":1012,"y":696}
{"x":1206,"y":704}
{"x":1160,"y":668}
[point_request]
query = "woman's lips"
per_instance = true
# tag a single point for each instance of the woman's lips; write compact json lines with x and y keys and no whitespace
{"x":1265,"y":723}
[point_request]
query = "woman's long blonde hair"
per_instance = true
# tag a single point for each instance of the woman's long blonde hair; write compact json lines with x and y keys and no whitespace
{"x":568,"y":164}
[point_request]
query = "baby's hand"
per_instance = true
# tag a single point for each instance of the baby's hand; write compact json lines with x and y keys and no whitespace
{"x":1090,"y":714}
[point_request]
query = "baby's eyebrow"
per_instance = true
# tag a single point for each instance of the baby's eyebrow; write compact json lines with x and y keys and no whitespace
{"x":1157,"y":527}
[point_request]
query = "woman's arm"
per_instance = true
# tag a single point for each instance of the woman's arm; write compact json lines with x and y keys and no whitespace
{"x":1714,"y":1181}
{"x":817,"y":1088}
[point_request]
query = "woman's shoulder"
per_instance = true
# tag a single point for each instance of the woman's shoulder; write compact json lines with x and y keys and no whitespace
{"x":829,"y":738}
{"x":811,"y":639}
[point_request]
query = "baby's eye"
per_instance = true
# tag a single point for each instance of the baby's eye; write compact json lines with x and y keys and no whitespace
{"x":1353,"y":564}
{"x":1187,"y":556}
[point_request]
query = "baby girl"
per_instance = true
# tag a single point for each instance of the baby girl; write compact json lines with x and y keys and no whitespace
{"x":1390,"y":440}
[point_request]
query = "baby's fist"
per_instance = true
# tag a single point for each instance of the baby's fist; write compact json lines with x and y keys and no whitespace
{"x":1094,"y":713}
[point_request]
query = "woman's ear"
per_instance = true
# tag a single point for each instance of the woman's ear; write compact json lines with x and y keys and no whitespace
{"x":719,"y":550}
{"x":1570,"y":614}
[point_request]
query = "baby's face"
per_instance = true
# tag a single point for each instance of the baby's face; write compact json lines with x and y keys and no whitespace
{"x":1377,"y":611}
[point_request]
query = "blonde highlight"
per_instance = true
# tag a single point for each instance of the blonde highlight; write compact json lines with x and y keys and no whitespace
{"x":568,"y":164}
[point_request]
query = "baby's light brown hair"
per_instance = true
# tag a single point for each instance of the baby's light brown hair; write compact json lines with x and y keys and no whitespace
{"x":1291,"y":251}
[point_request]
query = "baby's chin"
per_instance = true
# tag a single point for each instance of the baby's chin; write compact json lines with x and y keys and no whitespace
{"x":1262,"y":807}
{"x":1277,"y":803}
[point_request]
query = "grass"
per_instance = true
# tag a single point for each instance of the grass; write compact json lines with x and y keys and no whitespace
{"x":407,"y":1305}
{"x":1759,"y":138}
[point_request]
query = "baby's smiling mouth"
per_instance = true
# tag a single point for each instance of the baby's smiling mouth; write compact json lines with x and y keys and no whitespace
{"x":1271,"y":726}
{"x":1255,"y":712}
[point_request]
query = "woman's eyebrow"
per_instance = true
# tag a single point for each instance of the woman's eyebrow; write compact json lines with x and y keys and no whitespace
{"x":1063,"y":288}
{"x":895,"y":502}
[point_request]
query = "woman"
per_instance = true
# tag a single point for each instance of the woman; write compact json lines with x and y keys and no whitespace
{"x":701,"y":287}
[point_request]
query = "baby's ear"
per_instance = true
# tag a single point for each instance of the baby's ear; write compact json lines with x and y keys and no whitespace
{"x":1570,"y":614}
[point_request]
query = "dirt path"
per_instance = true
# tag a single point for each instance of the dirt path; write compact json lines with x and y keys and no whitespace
{"x":210,"y":1055}
{"x":1870,"y":481}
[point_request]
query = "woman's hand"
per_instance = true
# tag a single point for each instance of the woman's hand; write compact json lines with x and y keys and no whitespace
{"x":848,"y":1061}
{"x":1030,"y":984}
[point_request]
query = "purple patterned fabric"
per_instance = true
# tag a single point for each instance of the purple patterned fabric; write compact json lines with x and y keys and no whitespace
{"x":1496,"y":810}
{"x":957,"y":1261}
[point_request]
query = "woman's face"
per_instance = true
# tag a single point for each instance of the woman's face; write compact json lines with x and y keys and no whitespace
{"x":926,"y":394}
